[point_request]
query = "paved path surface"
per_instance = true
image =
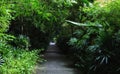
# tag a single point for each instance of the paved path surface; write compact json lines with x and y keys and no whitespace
{"x":56,"y":63}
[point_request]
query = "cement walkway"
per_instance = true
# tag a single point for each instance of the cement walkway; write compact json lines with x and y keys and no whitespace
{"x":56,"y":63}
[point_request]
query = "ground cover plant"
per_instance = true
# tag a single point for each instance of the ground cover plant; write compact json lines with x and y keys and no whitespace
{"x":16,"y":59}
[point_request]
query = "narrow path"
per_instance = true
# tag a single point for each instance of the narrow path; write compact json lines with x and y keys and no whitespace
{"x":56,"y":63}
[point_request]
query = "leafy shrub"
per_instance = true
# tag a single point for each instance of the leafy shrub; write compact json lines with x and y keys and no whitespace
{"x":5,"y":38}
{"x":21,"y":42}
{"x":17,"y":60}
{"x":107,"y":51}
{"x":82,"y":56}
{"x":95,"y":49}
{"x":5,"y":16}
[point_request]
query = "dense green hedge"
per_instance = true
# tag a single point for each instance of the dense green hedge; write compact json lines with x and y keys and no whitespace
{"x":94,"y":44}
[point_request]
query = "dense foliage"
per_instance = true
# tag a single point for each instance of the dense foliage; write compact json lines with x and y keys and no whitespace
{"x":88,"y":31}
{"x":24,"y":25}
{"x":94,"y":42}
{"x":14,"y":55}
{"x":5,"y":16}
{"x":17,"y":60}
